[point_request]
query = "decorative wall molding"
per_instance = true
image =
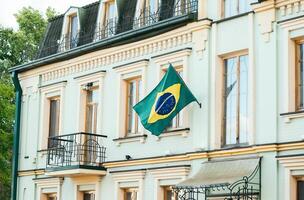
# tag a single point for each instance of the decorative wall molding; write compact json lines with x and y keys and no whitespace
{"x":289,"y":7}
{"x":291,"y":164}
{"x":132,"y":179}
{"x":266,"y":13}
{"x":120,"y":56}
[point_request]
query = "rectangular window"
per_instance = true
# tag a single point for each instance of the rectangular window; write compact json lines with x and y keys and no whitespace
{"x":300,"y":77}
{"x":130,"y":194}
{"x":235,"y":117}
{"x":88,"y":195}
{"x":73,"y":31}
{"x":54,"y":118}
{"x":51,"y":196}
{"x":91,"y":113}
{"x":300,"y":189}
{"x":133,"y":96}
{"x":109,"y":19}
{"x":236,"y":7}
{"x":169,"y":194}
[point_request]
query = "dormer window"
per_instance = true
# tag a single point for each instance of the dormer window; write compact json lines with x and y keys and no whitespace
{"x":73,"y":31}
{"x":70,"y":31}
{"x":107,"y":17}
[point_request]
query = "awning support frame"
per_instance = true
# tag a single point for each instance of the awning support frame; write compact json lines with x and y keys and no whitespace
{"x":247,"y":188}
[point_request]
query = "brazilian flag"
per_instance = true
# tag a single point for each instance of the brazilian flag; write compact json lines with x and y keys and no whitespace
{"x":164,"y":102}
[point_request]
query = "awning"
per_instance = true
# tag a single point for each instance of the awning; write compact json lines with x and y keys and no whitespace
{"x":222,"y":172}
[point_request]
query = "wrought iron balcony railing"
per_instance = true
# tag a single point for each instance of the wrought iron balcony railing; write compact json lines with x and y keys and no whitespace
{"x":131,"y":21}
{"x":77,"y":149}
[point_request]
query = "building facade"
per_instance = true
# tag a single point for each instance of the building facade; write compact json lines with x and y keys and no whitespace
{"x":78,"y":137}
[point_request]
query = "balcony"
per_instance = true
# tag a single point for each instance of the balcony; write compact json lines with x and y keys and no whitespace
{"x":142,"y":23}
{"x":75,"y":154}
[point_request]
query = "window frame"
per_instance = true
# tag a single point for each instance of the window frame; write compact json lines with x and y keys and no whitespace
{"x":124,"y":73}
{"x":95,"y":113}
{"x":168,"y":176}
{"x":52,"y":185}
{"x":65,"y":36}
{"x":165,"y":190}
{"x":223,"y":127}
{"x":130,"y":189}
{"x":47,"y":92}
{"x":54,"y":98}
{"x":223,"y":9}
{"x":70,"y":30}
{"x":298,"y":63}
{"x":128,"y":179}
{"x":90,"y":182}
{"x":103,"y":17}
{"x":96,"y":79}
{"x":137,"y":79}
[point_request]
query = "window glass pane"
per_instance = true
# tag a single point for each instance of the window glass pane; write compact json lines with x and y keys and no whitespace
{"x":134,"y":95}
{"x":231,"y":96}
{"x":243,"y":115}
{"x":74,"y":31}
{"x":54,"y":117}
{"x":231,"y":8}
{"x":244,"y":6}
{"x":130,"y":194}
{"x":111,"y":10}
{"x":92,"y":97}
{"x":300,"y":189}
{"x":51,"y":197}
{"x":152,"y":6}
{"x":301,"y":76}
{"x":88,"y":196}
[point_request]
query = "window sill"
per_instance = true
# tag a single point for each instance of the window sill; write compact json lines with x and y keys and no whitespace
{"x":129,"y":139}
{"x":184,"y":132}
{"x":292,"y":115}
{"x":233,"y":146}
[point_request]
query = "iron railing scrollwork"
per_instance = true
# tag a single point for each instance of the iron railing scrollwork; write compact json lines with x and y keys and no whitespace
{"x":75,"y":149}
{"x":114,"y":26}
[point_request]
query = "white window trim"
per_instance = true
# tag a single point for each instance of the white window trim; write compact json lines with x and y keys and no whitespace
{"x":290,"y":164}
{"x":180,"y":58}
{"x":48,"y":92}
{"x":289,"y":63}
{"x":134,"y":178}
{"x":87,"y":180}
{"x":216,"y":136}
{"x":66,"y":22}
{"x":102,"y":12}
{"x":53,"y":184}
{"x":173,"y":175}
{"x":98,"y":78}
{"x":126,"y":72}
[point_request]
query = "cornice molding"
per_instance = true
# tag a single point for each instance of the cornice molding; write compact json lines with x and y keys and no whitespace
{"x":191,"y":156}
{"x":143,"y":49}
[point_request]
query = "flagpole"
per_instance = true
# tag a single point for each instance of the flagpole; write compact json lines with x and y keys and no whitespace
{"x":199,"y":104}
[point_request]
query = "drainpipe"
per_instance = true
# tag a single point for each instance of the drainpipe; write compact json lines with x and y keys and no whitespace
{"x":15,"y":163}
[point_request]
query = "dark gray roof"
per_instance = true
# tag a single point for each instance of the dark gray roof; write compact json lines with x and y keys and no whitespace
{"x":88,"y":19}
{"x":52,"y":34}
{"x":126,"y":29}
